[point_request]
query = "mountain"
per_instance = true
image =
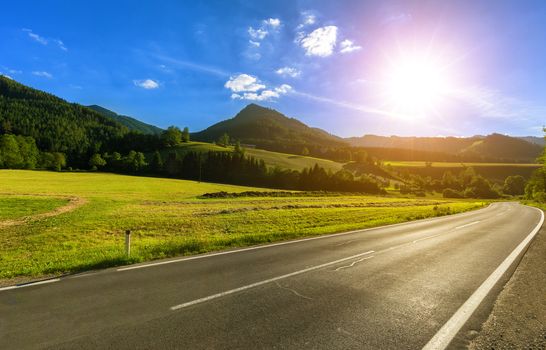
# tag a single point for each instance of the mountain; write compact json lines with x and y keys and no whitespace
{"x":131,"y":123}
{"x":504,"y":148}
{"x":55,"y":124}
{"x":268,"y":129}
{"x":534,"y":139}
{"x":491,"y":148}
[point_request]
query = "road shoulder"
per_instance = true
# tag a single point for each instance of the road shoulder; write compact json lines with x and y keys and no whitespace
{"x":518,"y":319}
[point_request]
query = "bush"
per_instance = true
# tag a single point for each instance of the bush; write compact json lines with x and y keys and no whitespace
{"x":451,"y":193}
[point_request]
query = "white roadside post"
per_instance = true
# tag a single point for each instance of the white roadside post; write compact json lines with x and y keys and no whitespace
{"x":128,"y":243}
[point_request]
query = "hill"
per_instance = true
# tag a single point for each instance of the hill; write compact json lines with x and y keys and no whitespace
{"x":130,"y":122}
{"x":268,"y":129}
{"x":534,"y":139}
{"x":491,"y":148}
{"x":55,"y":124}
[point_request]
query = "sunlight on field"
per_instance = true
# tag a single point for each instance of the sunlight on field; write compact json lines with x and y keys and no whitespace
{"x":169,"y":218}
{"x":456,"y":165}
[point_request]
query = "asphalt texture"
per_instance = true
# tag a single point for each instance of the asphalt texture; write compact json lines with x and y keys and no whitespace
{"x":386,"y":288}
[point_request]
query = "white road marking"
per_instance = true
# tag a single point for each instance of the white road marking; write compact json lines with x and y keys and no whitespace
{"x":30,"y":284}
{"x":353,"y":263}
{"x":449,"y":330}
{"x":422,"y":239}
{"x":470,"y":224}
{"x":253,"y":285}
{"x":443,"y":218}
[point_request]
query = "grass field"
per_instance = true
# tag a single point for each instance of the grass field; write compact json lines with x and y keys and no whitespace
{"x":291,"y":161}
{"x":271,"y":159}
{"x":167,"y":218}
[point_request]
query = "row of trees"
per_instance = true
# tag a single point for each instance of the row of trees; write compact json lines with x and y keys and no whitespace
{"x":233,"y":168}
{"x":21,"y":152}
{"x":466,"y":184}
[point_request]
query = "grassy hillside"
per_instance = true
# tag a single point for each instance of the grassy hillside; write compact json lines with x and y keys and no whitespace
{"x":168,"y":217}
{"x":272,"y":159}
{"x":130,"y":122}
{"x":56,"y":125}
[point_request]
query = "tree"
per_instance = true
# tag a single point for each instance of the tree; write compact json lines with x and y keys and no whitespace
{"x":186,"y":134}
{"x":10,"y":155}
{"x":514,"y":185}
{"x":223,"y":140}
{"x":96,"y":161}
{"x":172,"y":136}
{"x":157,"y":162}
{"x":305,"y":151}
{"x":238,"y":149}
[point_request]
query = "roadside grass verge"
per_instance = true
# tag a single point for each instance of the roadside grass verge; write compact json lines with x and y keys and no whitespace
{"x":168,"y":218}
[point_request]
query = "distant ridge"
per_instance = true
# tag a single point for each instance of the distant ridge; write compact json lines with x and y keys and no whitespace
{"x":494,"y":147}
{"x":130,"y":122}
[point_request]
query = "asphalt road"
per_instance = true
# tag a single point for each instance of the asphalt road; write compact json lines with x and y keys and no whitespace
{"x":387,"y":288}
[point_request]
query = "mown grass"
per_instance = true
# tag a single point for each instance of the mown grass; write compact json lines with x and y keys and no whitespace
{"x":292,"y":161}
{"x":271,"y":159}
{"x":168,"y":218}
{"x":17,"y":207}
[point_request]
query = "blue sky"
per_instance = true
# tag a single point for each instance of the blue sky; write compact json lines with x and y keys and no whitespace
{"x":191,"y":63}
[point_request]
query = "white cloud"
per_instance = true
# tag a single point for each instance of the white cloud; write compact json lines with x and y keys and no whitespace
{"x":42,"y":74}
{"x":11,"y":71}
{"x":247,"y":87}
{"x":35,"y":36}
{"x":6,"y":76}
{"x":254,"y":43}
{"x":284,"y":89}
{"x":244,"y":82}
{"x":257,"y":34}
{"x":44,"y":41}
{"x":147,"y":84}
{"x":489,"y":103}
{"x":320,"y":42}
{"x":273,"y":22}
{"x":288,"y":72}
{"x":308,"y":19}
{"x":60,"y":44}
{"x":347,"y":46}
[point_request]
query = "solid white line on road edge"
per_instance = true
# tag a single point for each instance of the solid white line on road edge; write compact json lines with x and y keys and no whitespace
{"x":142,"y":266}
{"x":249,"y":286}
{"x":470,"y":224}
{"x":31,"y":284}
{"x":449,"y":330}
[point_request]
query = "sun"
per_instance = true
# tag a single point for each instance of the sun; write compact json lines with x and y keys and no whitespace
{"x":415,"y":85}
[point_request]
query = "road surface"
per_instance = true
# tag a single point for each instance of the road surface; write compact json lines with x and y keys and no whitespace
{"x":397,"y":287}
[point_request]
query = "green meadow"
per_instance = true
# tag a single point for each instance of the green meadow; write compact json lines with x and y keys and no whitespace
{"x":168,"y":217}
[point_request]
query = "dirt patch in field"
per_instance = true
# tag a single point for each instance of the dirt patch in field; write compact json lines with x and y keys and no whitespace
{"x":73,"y":203}
{"x":518,"y":319}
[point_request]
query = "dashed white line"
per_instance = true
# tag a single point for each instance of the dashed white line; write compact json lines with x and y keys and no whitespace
{"x":253,"y":285}
{"x":31,"y":284}
{"x":470,"y":224}
{"x":422,"y":239}
{"x":445,"y":335}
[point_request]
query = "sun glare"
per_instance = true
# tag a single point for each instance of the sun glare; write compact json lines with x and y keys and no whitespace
{"x":415,"y":85}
